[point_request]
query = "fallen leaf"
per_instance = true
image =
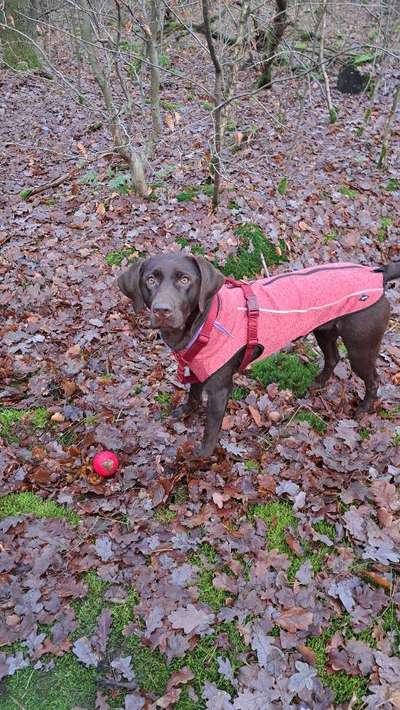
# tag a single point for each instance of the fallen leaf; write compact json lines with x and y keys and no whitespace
{"x":295,"y":619}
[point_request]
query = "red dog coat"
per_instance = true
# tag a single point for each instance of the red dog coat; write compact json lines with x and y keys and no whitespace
{"x":285,"y":307}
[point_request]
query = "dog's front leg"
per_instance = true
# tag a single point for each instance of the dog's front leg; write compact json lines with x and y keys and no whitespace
{"x":216,"y":406}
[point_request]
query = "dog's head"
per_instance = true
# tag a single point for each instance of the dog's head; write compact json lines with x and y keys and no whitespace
{"x":173,"y":287}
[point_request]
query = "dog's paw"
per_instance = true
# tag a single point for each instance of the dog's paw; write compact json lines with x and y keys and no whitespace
{"x":182,"y":411}
{"x":364,"y":408}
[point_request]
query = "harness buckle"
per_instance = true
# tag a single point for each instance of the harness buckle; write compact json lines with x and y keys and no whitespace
{"x":252,"y":305}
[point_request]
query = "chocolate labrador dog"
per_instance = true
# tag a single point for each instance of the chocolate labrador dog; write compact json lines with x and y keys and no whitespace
{"x":184,"y":297}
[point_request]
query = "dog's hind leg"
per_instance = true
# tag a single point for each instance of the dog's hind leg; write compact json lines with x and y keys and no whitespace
{"x":326,"y":338}
{"x":362,"y":334}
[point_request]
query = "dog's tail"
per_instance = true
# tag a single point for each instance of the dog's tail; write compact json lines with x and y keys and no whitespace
{"x":390,"y":271}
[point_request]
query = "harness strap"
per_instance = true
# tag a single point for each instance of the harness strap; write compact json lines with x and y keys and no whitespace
{"x":184,"y":357}
{"x":253,"y":313}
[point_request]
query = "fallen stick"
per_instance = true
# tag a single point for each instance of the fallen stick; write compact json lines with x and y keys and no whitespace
{"x":64,"y":177}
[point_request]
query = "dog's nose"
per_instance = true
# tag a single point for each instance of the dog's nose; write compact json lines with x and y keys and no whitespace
{"x":161,"y":310}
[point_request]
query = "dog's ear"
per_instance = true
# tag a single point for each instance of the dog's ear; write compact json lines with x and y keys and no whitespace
{"x":211,"y":280}
{"x":129,"y":283}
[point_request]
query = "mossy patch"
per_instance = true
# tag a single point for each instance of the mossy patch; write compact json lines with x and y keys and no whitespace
{"x":348,"y":192}
{"x":280,"y":519}
{"x":392,"y":185}
{"x":287,"y":370}
{"x":343,"y":686}
{"x":68,"y":684}
{"x":206,"y":559}
{"x":316,"y":422}
{"x":194,"y":247}
{"x":239,"y":393}
{"x":10,"y":417}
{"x":164,"y":515}
{"x":324,"y":528}
{"x":27,"y":503}
{"x":253,"y":246}
{"x":191,"y":191}
{"x":117,"y":256}
{"x":364,"y":434}
{"x":384,"y":227}
{"x":251,"y":465}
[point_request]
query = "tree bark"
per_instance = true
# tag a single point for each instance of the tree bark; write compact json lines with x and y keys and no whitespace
{"x":119,"y":135}
{"x":217,"y":113}
{"x":152,"y":32}
{"x":270,"y":42}
{"x":18,"y":35}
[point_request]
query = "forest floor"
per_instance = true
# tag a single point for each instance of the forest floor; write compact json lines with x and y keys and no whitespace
{"x":268,"y":577}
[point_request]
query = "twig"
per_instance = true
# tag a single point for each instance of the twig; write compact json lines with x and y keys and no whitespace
{"x":65,"y":176}
{"x":331,"y":108}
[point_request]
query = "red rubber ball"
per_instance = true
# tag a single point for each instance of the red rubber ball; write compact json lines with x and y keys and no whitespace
{"x":105,"y":464}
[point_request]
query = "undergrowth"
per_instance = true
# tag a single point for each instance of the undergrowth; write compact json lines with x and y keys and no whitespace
{"x":287,"y":370}
{"x":248,"y":262}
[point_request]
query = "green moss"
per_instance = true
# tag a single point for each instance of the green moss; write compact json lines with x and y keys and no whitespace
{"x":251,"y":465}
{"x":18,"y":52}
{"x":180,"y":495}
{"x":324,"y":528}
{"x":88,"y":609}
{"x":198,"y":249}
{"x":10,"y":416}
{"x":396,"y":439}
{"x":205,"y":556}
{"x":383,"y":231}
{"x":164,"y":515}
{"x":333,"y":234}
{"x":117,"y":256}
{"x":232,"y":205}
{"x":392,"y":185}
{"x":27,"y":503}
{"x":364,"y":433}
{"x":393,"y":413}
{"x":316,"y":422}
{"x":287,"y":370}
{"x":283,"y":186}
{"x":239,"y":393}
{"x":169,"y":105}
{"x":343,"y":686}
{"x":68,"y":685}
{"x":193,"y":190}
{"x":253,"y":243}
{"x":121,"y":183}
{"x":348,"y":192}
{"x":280,"y":518}
{"x":163,"y":398}
{"x":89,"y":178}
{"x":26,"y":193}
{"x":182,"y":241}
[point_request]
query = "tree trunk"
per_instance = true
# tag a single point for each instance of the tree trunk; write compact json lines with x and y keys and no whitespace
{"x":118,"y":132}
{"x":152,"y":33}
{"x":270,"y":42}
{"x":18,"y":35}
{"x":217,"y":113}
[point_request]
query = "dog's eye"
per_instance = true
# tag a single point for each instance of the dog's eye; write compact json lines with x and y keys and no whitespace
{"x":184,"y":280}
{"x":151,"y":281}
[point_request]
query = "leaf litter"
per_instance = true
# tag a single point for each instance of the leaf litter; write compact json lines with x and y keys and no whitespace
{"x":70,"y":344}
